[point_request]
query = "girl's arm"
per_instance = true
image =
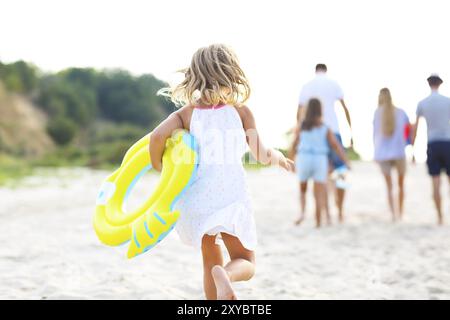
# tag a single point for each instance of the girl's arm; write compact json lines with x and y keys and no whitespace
{"x":294,"y":146}
{"x":159,"y":136}
{"x":337,"y":148}
{"x":259,"y":151}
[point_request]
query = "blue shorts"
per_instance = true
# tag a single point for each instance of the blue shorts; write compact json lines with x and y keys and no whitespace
{"x":335,"y":161}
{"x":438,"y":157}
{"x":312,"y":166}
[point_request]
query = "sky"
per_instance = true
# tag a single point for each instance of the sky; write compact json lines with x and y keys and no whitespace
{"x":367,"y":45}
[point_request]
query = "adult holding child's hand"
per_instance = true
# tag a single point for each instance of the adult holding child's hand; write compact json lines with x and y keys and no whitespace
{"x":328,"y":92}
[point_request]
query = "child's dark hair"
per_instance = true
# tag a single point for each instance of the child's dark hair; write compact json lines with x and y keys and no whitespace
{"x":313,"y":114}
{"x":321,"y":67}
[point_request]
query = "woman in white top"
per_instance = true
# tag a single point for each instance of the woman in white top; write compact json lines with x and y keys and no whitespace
{"x":391,"y":135}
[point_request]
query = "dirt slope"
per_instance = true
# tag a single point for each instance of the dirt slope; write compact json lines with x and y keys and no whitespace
{"x":22,"y":126}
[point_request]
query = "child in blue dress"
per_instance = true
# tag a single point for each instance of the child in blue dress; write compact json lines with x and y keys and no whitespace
{"x":311,"y":146}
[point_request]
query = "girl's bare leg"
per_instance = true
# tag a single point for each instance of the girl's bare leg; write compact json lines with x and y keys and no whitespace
{"x":303,"y":189}
{"x":401,"y":194}
{"x":240,"y":268}
{"x":319,"y":196}
{"x":388,"y":179}
{"x":329,"y":189}
{"x":326,"y":206}
{"x":339,"y":199}
{"x":212,"y":256}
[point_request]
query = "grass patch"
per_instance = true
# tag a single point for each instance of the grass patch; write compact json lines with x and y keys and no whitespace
{"x":13,"y":169}
{"x":353,"y":155}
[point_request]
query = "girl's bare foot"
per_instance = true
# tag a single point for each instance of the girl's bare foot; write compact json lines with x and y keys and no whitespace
{"x":223,"y":284}
{"x":299,"y":220}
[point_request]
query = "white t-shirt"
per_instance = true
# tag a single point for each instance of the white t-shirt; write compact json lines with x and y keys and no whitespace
{"x":328,"y":92}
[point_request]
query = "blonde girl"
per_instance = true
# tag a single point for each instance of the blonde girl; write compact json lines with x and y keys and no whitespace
{"x":217,"y":204}
{"x":390,"y":139}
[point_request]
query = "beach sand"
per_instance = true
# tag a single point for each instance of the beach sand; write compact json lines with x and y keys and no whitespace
{"x":50,"y":251}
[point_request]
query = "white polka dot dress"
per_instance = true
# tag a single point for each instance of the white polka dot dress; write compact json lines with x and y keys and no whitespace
{"x":218,"y":200}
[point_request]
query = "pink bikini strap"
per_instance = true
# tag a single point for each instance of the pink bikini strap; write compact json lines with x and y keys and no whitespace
{"x":210,"y":107}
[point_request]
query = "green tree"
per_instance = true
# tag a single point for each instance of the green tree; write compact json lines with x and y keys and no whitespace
{"x":62,"y":130}
{"x":19,"y":76}
{"x":63,"y":99}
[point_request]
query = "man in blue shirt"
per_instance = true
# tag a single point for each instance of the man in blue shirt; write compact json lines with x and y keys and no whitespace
{"x":435,"y":109}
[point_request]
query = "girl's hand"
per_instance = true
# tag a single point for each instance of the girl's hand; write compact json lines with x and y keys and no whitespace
{"x":282,"y":161}
{"x":287,"y":164}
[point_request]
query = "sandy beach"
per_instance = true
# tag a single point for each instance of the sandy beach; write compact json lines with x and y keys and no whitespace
{"x":50,"y":250}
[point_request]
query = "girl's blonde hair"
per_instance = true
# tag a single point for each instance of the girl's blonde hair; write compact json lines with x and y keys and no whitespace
{"x":388,"y":112}
{"x":214,"y":77}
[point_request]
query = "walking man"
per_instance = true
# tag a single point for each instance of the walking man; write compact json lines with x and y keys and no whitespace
{"x":435,"y":109}
{"x":328,"y":92}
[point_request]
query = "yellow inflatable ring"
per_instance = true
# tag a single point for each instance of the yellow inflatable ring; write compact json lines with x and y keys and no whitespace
{"x":155,"y":218}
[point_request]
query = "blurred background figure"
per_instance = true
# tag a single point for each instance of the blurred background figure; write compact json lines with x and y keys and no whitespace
{"x":391,"y":135}
{"x":435,"y":109}
{"x":328,"y":92}
{"x":312,"y":145}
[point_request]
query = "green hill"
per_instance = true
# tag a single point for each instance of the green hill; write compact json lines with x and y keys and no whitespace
{"x":78,"y":115}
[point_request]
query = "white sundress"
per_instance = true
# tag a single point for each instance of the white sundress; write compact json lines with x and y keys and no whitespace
{"x":218,"y":200}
